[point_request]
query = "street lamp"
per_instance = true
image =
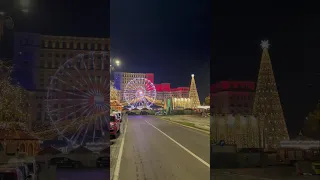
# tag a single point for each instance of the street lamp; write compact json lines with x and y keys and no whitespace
{"x":117,"y":62}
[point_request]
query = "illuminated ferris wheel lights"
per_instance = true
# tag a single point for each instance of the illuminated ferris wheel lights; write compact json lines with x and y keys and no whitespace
{"x":140,"y":92}
{"x":85,"y":118}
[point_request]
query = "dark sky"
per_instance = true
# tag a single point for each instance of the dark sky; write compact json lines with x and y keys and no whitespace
{"x":165,"y":37}
{"x":57,"y":17}
{"x":60,"y":17}
{"x":294,"y":37}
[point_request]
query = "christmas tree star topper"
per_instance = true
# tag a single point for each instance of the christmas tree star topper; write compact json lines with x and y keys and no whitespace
{"x":265,"y":44}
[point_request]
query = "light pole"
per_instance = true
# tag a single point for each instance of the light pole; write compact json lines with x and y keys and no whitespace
{"x":115,"y":62}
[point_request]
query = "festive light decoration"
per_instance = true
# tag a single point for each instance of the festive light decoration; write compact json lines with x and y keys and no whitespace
{"x":78,"y":99}
{"x":235,"y":129}
{"x":114,"y":93}
{"x":181,"y":103}
{"x":140,"y":93}
{"x":193,"y":93}
{"x":114,"y":98}
{"x":13,"y":102}
{"x":267,"y":107}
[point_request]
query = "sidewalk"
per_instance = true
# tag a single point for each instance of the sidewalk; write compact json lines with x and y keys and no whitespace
{"x":195,"y":121}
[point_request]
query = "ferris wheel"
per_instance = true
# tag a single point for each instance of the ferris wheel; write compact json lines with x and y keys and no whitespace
{"x":140,"y":93}
{"x":78,"y":99}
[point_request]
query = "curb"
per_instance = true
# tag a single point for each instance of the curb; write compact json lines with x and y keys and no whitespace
{"x":204,"y":131}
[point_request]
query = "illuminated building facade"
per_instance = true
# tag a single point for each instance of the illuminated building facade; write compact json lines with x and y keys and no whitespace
{"x":232,"y":97}
{"x":239,"y":130}
{"x":121,"y":79}
{"x":37,"y":57}
{"x":182,"y":103}
{"x":164,"y":90}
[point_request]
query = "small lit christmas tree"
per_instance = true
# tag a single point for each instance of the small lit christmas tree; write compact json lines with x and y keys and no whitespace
{"x":193,"y":94}
{"x":267,"y":107}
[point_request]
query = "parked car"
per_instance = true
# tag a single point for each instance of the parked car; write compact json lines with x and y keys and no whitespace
{"x":144,"y":113}
{"x":103,"y":162}
{"x":117,"y":114}
{"x":161,"y":113}
{"x":114,"y":126}
{"x":63,"y":162}
{"x":30,"y":162}
{"x":11,"y":173}
{"x":131,"y":113}
{"x":19,"y":163}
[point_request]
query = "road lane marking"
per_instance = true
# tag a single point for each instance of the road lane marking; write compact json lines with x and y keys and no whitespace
{"x":117,"y":168}
{"x":197,"y":129}
{"x":184,"y":148}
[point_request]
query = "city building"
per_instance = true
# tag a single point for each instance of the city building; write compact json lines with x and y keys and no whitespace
{"x":38,"y":57}
{"x":239,"y":130}
{"x":232,"y":97}
{"x":14,"y":142}
{"x":121,"y":79}
{"x":181,"y":103}
{"x":164,"y":90}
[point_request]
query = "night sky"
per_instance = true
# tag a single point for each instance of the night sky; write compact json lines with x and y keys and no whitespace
{"x":165,"y":37}
{"x":294,"y":38}
{"x":58,"y":17}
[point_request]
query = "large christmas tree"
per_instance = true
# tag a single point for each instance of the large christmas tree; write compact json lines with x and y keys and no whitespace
{"x":193,"y":94}
{"x":267,"y":107}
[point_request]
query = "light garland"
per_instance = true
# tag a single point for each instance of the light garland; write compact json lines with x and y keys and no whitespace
{"x":13,"y":102}
{"x":235,"y":129}
{"x":267,"y":107}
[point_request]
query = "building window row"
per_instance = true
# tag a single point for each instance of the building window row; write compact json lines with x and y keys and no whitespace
{"x":240,"y":98}
{"x":74,"y":45}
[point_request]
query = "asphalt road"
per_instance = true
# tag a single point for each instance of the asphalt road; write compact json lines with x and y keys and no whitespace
{"x":174,"y":153}
{"x":82,"y":174}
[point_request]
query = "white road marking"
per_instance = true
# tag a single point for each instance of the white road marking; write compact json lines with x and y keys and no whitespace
{"x":184,"y":148}
{"x":207,"y":133}
{"x":117,"y":168}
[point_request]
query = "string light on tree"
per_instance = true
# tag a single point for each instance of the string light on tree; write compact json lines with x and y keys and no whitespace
{"x":193,"y":93}
{"x":267,"y":107}
{"x":13,"y":102}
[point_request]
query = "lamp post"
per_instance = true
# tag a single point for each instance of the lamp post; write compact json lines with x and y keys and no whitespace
{"x":114,"y":63}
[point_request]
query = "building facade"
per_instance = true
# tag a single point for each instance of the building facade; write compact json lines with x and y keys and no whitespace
{"x":38,"y":57}
{"x":232,"y":97}
{"x":164,"y":90}
{"x":242,"y":131}
{"x":121,"y":79}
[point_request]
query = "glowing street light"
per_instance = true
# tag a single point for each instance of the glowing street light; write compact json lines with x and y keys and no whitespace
{"x":192,"y":75}
{"x":117,"y":62}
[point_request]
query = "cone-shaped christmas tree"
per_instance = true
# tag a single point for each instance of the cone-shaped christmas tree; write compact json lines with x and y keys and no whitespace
{"x":267,"y":107}
{"x":193,"y":94}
